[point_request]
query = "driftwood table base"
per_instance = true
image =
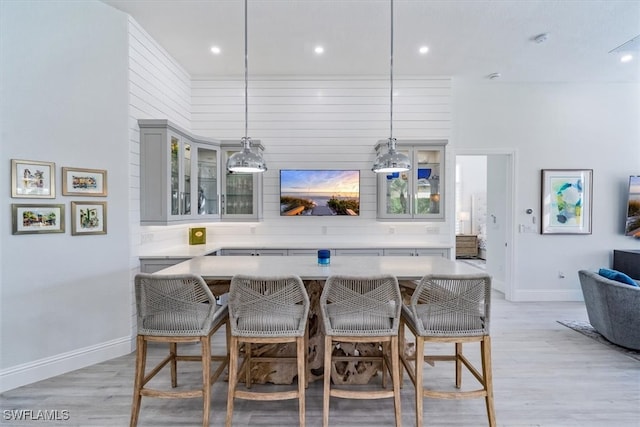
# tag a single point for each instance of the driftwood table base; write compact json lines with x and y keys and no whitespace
{"x":359,"y":372}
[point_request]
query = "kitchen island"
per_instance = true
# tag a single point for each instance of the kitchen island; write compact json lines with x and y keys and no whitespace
{"x":218,"y":271}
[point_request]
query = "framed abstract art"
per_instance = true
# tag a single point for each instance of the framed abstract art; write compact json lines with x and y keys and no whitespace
{"x":566,"y":201}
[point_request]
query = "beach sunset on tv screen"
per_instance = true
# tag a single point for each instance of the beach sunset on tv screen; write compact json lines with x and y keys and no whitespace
{"x":319,"y":192}
{"x":632,"y":226}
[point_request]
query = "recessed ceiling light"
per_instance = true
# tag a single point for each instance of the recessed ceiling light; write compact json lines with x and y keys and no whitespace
{"x":319,"y":50}
{"x":626,"y":58}
{"x":423,"y":49}
{"x":215,"y":50}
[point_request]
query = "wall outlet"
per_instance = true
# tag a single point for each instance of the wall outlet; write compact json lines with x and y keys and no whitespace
{"x":146,"y":238}
{"x":392,"y":230}
{"x":433,"y":230}
{"x":323,"y":230}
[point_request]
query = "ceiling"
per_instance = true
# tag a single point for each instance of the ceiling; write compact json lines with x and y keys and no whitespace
{"x":467,"y":39}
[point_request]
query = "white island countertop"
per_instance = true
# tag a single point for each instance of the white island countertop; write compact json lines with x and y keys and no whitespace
{"x":403,"y":267}
{"x":190,"y":251}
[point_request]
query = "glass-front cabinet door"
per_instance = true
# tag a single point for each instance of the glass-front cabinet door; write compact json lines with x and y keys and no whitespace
{"x":194,"y":180}
{"x":207,"y":181}
{"x":239,"y":194}
{"x":242,"y":198}
{"x":415,"y":194}
{"x":180,"y":155}
{"x":427,"y":174}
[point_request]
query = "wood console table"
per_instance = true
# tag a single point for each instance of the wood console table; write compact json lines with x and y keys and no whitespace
{"x":466,"y":245}
{"x":218,"y":271}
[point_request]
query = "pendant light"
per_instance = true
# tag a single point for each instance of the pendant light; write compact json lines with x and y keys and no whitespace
{"x":391,"y":161}
{"x":247,"y":160}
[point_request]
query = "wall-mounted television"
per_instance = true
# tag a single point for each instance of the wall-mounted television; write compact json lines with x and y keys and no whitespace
{"x":319,"y":192}
{"x":632,"y":226}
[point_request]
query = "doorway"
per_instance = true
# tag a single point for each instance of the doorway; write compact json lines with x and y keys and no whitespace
{"x":484,"y":195}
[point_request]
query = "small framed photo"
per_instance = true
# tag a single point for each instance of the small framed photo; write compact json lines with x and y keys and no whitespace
{"x":84,"y":182}
{"x":36,"y":219}
{"x":32,"y":179}
{"x":88,"y":218}
{"x":566,"y":201}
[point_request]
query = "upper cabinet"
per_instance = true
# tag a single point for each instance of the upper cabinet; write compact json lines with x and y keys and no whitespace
{"x":183,"y":178}
{"x":179,"y":175}
{"x":242,"y":192}
{"x":416,"y":194}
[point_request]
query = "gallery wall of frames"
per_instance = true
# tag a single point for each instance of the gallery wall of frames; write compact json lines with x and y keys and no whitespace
{"x":41,"y":212}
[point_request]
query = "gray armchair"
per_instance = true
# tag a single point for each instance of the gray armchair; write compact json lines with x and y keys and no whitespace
{"x":612,"y":308}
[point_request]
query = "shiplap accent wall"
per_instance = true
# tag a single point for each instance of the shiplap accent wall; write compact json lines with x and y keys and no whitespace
{"x":159,"y":88}
{"x":324,"y":122}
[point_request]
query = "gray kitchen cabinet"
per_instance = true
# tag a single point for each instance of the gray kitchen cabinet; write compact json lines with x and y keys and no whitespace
{"x":179,"y":175}
{"x":417,"y":194}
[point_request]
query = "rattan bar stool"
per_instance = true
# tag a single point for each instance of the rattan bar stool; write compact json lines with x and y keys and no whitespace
{"x":361,"y":310}
{"x":266,"y":310}
{"x":450,"y":309}
{"x":176,"y":309}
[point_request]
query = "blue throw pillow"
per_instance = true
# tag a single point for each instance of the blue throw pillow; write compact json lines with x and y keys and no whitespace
{"x":617,"y":276}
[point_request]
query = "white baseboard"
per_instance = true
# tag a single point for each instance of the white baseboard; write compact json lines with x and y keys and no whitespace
{"x":27,"y":373}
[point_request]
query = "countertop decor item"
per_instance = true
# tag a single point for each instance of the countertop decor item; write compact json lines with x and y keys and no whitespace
{"x":197,"y":236}
{"x":324,"y":257}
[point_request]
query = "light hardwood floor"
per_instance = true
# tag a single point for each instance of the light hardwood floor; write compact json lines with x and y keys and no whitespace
{"x":544,"y":375}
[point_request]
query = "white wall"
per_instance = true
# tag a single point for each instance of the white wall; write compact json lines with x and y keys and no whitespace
{"x":560,"y":126}
{"x":65,"y":299}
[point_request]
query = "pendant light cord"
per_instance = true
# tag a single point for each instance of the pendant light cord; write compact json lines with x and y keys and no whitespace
{"x":391,"y":81}
{"x":246,"y":75}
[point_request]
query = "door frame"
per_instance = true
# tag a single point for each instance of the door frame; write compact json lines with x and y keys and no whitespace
{"x":511,"y":203}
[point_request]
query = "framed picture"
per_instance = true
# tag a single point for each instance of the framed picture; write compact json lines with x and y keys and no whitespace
{"x":31,"y":179}
{"x":84,"y":182}
{"x":35,"y":219}
{"x":88,"y":218}
{"x":566,"y":201}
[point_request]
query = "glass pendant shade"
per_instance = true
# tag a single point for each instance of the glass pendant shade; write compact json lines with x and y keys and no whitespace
{"x":391,"y":161}
{"x":247,"y":160}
